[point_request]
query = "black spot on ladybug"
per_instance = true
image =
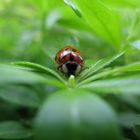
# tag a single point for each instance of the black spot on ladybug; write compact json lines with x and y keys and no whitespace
{"x":64,"y":57}
{"x":66,"y":49}
{"x":71,"y":57}
{"x":74,"y":50}
{"x":59,"y":59}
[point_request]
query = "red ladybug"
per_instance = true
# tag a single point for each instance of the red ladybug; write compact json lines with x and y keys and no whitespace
{"x":70,"y":60}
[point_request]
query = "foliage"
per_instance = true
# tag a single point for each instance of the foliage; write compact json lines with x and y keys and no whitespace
{"x":38,"y":102}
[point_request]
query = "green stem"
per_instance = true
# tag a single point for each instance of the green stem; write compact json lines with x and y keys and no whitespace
{"x":71,"y":81}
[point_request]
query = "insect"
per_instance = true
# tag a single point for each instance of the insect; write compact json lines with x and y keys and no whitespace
{"x":70,"y":60}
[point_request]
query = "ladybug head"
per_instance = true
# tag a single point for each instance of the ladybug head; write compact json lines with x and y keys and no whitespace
{"x":70,"y":68}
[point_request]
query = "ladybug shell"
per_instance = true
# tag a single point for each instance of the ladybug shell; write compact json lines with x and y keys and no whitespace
{"x":69,"y":53}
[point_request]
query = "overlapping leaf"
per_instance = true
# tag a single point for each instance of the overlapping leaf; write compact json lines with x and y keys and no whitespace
{"x":98,"y":66}
{"x":38,"y":68}
{"x":129,"y":85}
{"x":21,"y":75}
{"x":13,"y":130}
{"x":129,"y":68}
{"x":101,"y":19}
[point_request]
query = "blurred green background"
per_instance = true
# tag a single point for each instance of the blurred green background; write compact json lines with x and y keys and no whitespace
{"x":35,"y":30}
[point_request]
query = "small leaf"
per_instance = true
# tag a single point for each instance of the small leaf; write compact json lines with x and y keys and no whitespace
{"x":39,"y":68}
{"x":129,"y":85}
{"x":76,"y":115}
{"x":98,"y":66}
{"x":21,"y":75}
{"x":129,"y":68}
{"x":75,"y":9}
{"x":14,"y":74}
{"x":13,"y":130}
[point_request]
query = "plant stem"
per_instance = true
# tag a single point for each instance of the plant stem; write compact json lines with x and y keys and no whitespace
{"x":71,"y":81}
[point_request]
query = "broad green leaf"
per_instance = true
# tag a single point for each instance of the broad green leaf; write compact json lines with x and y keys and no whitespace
{"x":74,"y":23}
{"x":13,"y":130}
{"x":20,"y":95}
{"x":101,"y":19}
{"x":20,"y":75}
{"x":39,"y":68}
{"x":76,"y":115}
{"x":129,"y":68}
{"x":126,"y":85}
{"x":98,"y":66}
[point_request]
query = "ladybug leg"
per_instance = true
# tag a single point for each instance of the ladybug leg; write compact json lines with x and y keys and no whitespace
{"x":60,"y":68}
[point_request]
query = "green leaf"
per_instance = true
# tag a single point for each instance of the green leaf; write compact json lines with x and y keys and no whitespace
{"x":10,"y":74}
{"x":76,"y":115}
{"x":14,"y":74}
{"x":20,"y":95}
{"x":129,"y":68}
{"x":137,"y":130}
{"x":75,"y":9}
{"x":39,"y":68}
{"x":123,"y":3}
{"x":13,"y":130}
{"x":129,"y":119}
{"x":133,"y":33}
{"x":98,"y":66}
{"x":131,"y":100}
{"x":101,"y":19}
{"x":129,"y":85}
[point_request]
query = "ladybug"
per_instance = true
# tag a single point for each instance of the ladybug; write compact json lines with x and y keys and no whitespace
{"x":70,"y":60}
